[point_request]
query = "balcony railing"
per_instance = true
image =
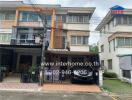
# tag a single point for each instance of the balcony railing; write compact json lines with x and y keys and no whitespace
{"x":6,"y":23}
{"x":23,"y":42}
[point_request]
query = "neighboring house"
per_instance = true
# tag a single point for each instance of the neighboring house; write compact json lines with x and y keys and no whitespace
{"x":115,"y":44}
{"x":21,"y":26}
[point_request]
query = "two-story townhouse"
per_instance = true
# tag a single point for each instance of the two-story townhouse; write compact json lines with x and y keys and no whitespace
{"x":115,"y":44}
{"x":67,"y":33}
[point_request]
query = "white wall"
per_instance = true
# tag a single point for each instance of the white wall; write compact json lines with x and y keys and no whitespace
{"x":79,"y":48}
{"x":84,"y":27}
{"x":106,"y":55}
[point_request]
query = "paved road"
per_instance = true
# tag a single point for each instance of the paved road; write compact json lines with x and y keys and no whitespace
{"x":51,"y":96}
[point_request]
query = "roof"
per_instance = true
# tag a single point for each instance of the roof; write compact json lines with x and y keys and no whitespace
{"x":16,"y":3}
{"x":70,"y":52}
{"x":19,"y":46}
{"x":117,"y":7}
{"x":108,"y":17}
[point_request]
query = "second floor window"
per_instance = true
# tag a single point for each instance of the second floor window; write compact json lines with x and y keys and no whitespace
{"x":7,"y":16}
{"x":124,"y":41}
{"x":79,"y":40}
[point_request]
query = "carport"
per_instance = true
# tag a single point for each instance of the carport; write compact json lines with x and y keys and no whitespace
{"x":64,"y":57}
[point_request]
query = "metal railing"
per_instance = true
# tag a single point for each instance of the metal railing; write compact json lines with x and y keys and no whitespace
{"x":23,"y":41}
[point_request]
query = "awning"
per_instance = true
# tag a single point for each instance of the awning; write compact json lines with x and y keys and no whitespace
{"x":61,"y":52}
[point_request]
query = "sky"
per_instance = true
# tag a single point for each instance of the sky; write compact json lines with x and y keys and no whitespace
{"x":102,"y":7}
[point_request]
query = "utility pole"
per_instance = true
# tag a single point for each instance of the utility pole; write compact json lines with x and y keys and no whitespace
{"x":43,"y":17}
{"x":43,"y":58}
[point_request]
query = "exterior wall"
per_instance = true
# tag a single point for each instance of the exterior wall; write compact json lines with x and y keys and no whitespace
{"x":79,"y":48}
{"x":123,"y":28}
{"x":106,"y":55}
{"x":83,"y":27}
{"x":109,"y":52}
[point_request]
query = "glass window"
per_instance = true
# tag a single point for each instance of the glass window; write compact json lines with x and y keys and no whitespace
{"x":110,"y":64}
{"x":130,"y":19}
{"x":102,"y":63}
{"x":126,"y":73}
{"x":79,"y":40}
{"x":7,"y":16}
{"x":78,"y":19}
{"x":24,"y":16}
{"x":2,"y":16}
{"x":33,"y":17}
{"x":29,"y":16}
{"x":5,"y":37}
{"x":86,"y":19}
{"x":128,"y":41}
{"x":73,"y":40}
{"x":85,"y":39}
{"x":125,"y":20}
{"x":120,"y":42}
{"x":118,"y":20}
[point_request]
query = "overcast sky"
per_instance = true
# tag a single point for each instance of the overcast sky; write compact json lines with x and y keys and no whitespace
{"x":102,"y":7}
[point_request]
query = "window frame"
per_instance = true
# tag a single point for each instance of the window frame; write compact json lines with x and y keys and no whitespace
{"x":110,"y":64}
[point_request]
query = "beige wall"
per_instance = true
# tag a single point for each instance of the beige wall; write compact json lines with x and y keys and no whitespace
{"x":6,"y":24}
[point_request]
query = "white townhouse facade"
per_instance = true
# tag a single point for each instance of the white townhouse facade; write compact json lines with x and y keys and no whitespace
{"x":115,"y":44}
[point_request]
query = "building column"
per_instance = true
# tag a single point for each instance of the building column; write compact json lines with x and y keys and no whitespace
{"x":100,"y":77}
{"x":18,"y":60}
{"x":34,"y":60}
{"x":121,"y":77}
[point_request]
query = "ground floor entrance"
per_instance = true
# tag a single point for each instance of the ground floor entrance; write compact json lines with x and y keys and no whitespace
{"x":17,"y":61}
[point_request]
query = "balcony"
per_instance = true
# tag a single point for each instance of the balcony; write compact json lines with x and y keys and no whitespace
{"x":31,"y":24}
{"x":6,"y":24}
{"x":24,"y":42}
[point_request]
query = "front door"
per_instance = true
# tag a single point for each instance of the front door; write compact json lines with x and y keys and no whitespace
{"x":25,"y":63}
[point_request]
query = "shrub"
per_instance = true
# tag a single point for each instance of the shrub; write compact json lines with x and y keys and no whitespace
{"x":109,"y":75}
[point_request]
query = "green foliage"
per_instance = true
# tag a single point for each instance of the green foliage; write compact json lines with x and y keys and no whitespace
{"x":32,"y":69}
{"x":109,"y":75}
{"x":94,"y":49}
{"x":116,"y":86}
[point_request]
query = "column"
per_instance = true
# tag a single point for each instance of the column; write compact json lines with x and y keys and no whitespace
{"x":100,"y":77}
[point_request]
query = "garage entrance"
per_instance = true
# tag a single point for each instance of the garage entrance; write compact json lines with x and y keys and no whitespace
{"x":60,"y":69}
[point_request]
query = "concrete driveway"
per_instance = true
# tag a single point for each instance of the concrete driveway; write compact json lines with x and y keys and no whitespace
{"x":72,"y":88}
{"x":51,"y":96}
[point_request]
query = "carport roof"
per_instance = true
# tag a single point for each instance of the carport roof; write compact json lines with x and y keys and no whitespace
{"x":20,"y":46}
{"x":71,"y":52}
